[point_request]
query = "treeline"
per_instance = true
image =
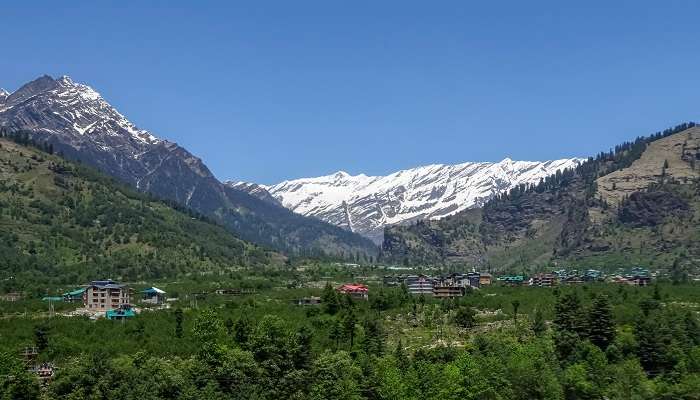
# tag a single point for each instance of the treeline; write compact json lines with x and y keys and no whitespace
{"x":622,"y":156}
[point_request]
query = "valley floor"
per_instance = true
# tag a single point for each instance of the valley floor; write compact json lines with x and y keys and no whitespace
{"x":486,"y":344}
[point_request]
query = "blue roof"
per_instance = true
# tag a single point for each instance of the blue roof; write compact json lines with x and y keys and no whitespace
{"x":107,"y":284}
{"x":153,"y":290}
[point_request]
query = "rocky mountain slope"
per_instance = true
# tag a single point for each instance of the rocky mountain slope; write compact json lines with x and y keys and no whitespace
{"x":637,"y":205}
{"x":367,"y":204}
{"x":81,"y":125}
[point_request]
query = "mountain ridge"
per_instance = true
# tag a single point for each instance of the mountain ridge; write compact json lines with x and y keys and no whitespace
{"x":83,"y":126}
{"x":367,"y":204}
{"x":636,"y":205}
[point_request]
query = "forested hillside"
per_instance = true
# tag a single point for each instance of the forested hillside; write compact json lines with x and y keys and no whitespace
{"x":64,"y":222}
{"x":637,"y":204}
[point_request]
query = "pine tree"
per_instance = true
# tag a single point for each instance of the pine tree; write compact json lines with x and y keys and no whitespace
{"x":178,"y":323}
{"x":349,"y":322}
{"x":40,"y":339}
{"x":538,"y":324}
{"x":568,"y":314}
{"x":335,"y":333}
{"x":229,"y":326}
{"x":302,"y":352}
{"x":400,"y":356}
{"x":373,"y":341}
{"x":692,"y":329}
{"x":330,"y":300}
{"x":568,"y":327}
{"x":601,"y":326}
{"x":516,"y":305}
{"x":242,"y":331}
{"x":654,"y":340}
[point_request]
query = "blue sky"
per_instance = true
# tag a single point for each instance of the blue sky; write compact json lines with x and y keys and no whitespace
{"x":271,"y":90}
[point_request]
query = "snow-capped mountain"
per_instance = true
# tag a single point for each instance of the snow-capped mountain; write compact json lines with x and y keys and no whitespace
{"x":366,"y":204}
{"x":83,"y":126}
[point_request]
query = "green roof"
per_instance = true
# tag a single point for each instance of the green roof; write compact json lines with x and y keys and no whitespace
{"x":76,"y":292}
{"x":120,"y":313}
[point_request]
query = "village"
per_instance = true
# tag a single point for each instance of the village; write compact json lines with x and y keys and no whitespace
{"x":437,"y":294}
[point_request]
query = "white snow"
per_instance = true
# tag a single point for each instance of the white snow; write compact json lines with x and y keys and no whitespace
{"x":430,"y":191}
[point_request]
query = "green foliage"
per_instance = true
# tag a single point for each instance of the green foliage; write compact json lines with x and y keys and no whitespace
{"x":601,"y":326}
{"x":539,"y":326}
{"x":279,"y":350}
{"x":335,"y":378}
{"x":63,"y":223}
{"x":465,"y":317}
{"x":15,"y":382}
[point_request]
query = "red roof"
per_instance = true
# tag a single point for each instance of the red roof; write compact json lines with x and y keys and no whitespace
{"x":353,"y":287}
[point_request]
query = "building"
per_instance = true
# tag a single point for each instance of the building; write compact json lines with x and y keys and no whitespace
{"x":391,"y":280}
{"x":419,"y":284}
{"x":234,"y":292}
{"x":12,"y":297}
{"x":453,"y":279}
{"x":448,"y":291}
{"x":74,"y":296}
{"x":639,"y":276}
{"x":44,"y":372}
{"x":472,"y":279}
{"x":153,"y":295}
{"x":354,"y":290}
{"x":593,"y":275}
{"x":105,"y":295}
{"x":512,"y":280}
{"x":544,"y":280}
{"x":485,"y":279}
{"x":123,"y":312}
{"x":308,"y":301}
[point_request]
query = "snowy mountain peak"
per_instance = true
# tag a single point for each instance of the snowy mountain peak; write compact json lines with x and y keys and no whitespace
{"x":77,"y":108}
{"x":366,"y":204}
{"x":65,"y":80}
{"x":81,"y":125}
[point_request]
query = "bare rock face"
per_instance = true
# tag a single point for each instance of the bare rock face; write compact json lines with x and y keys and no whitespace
{"x":4,"y":94}
{"x":671,"y":157}
{"x":254,"y":190}
{"x":83,"y":126}
{"x":652,"y":208}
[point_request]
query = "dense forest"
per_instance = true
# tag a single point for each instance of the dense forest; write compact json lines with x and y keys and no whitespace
{"x":63,"y":222}
{"x":590,"y":342}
